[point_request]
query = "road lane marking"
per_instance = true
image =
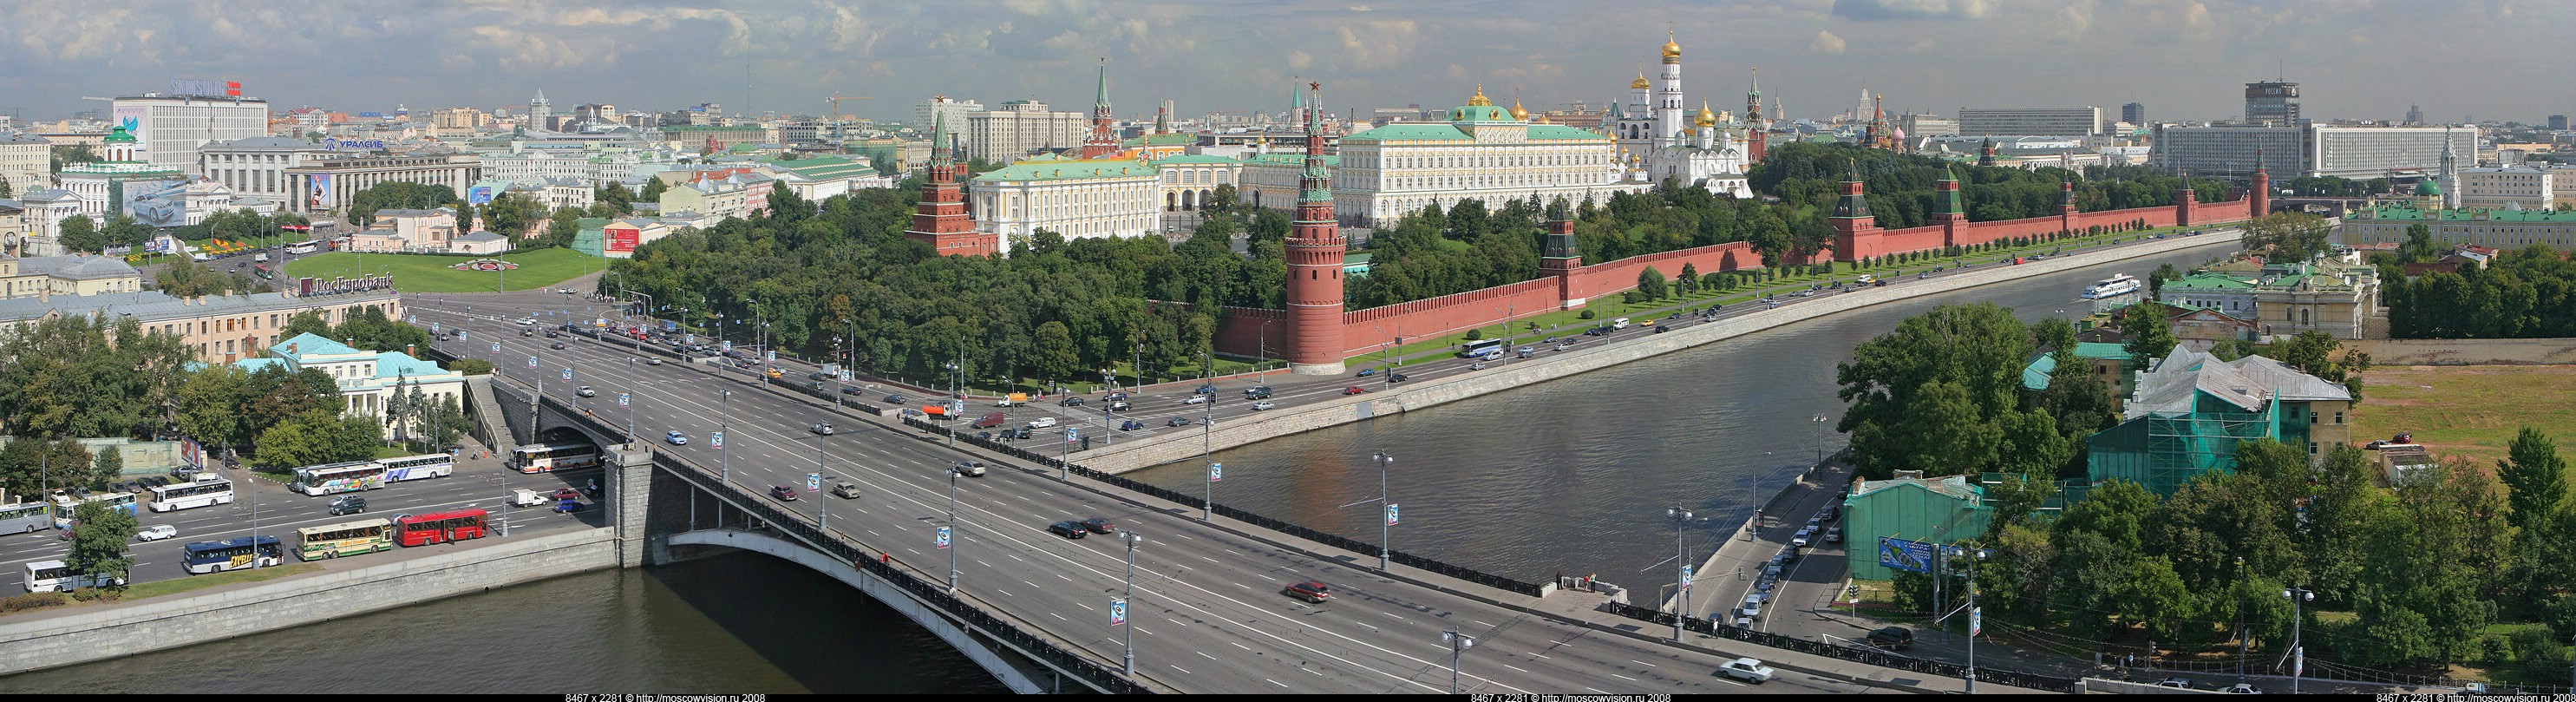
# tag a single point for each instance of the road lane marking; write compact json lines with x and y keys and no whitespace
{"x":1203,"y":654}
{"x":1515,"y":667}
{"x":1005,"y":593}
{"x":1058,"y":617}
{"x":1241,"y":646}
{"x":1184,"y":671}
{"x":1274,"y":682}
{"x":1643,"y":663}
{"x":1623,"y":677}
{"x":1535,"y":653}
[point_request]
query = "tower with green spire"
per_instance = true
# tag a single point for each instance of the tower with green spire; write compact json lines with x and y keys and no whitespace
{"x":1856,"y":231}
{"x":940,"y":220}
{"x":1102,"y":141}
{"x":1315,"y":250}
{"x":1947,"y":211}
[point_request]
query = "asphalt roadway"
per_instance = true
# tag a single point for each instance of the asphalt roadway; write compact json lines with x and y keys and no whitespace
{"x":1208,"y":613}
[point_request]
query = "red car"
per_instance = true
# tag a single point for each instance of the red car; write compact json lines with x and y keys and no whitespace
{"x":783,"y":492}
{"x":1313,"y":592}
{"x":567,"y":494}
{"x":1354,"y":390}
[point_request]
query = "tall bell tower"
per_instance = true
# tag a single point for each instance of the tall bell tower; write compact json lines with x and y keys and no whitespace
{"x":1315,"y":249}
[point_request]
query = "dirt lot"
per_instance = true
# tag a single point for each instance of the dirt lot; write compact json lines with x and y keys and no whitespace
{"x":2470,"y":411}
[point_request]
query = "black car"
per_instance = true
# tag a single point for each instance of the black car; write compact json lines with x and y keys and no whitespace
{"x":1070,"y":530}
{"x":1069,"y":402}
{"x":983,"y":436}
{"x":1131,"y":425}
{"x":818,"y":376}
{"x":1893,"y":638}
{"x":1257,"y":392}
{"x":558,"y":346}
{"x":849,"y":390}
{"x":1396,"y":377}
{"x":1020,"y":433}
{"x":1178,"y":422}
{"x":894,"y":399}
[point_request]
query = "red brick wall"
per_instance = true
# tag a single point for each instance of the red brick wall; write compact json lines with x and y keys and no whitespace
{"x":1368,"y":329}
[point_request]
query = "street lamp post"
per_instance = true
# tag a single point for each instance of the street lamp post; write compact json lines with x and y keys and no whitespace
{"x":952,"y":528}
{"x":1681,"y":560}
{"x":1820,"y":420}
{"x":1207,"y":443}
{"x":1976,"y":620}
{"x":722,"y":426}
{"x":1386,"y":528}
{"x":2298,"y":651}
{"x":823,"y":506}
{"x":1261,"y":348}
{"x":1130,"y":597}
{"x":1458,"y":644}
{"x":629,"y":402}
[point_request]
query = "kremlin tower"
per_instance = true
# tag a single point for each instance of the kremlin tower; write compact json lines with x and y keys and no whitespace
{"x":1102,"y":141}
{"x":941,"y":220}
{"x":1754,"y":127}
{"x":1315,"y":252}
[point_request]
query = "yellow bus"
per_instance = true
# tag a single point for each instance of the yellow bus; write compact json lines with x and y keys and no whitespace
{"x":344,"y":539}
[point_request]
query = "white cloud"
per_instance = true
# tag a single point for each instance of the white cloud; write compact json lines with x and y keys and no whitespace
{"x":1922,"y":47}
{"x":1825,"y":43}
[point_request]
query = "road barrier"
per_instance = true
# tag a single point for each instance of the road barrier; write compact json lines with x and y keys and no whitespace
{"x":1333,"y":540}
{"x":1864,"y":656}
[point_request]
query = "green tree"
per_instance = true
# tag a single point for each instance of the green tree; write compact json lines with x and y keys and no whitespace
{"x":106,"y":467}
{"x":5,"y":192}
{"x":210,"y":406}
{"x":124,"y":231}
{"x":72,"y":154}
{"x":446,"y":423}
{"x":2419,"y":246}
{"x":99,"y":536}
{"x":2149,"y":331}
{"x":1969,"y":355}
{"x":81,"y":235}
{"x":560,"y":230}
{"x":653,"y":189}
{"x":470,"y":366}
{"x":1650,"y":283}
{"x":513,"y":215}
{"x":1058,"y":357}
{"x":619,"y":200}
{"x":2290,"y":236}
{"x":2156,"y":280}
{"x":2536,"y":478}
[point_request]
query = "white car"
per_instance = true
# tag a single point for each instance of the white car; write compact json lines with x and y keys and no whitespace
{"x":1800,"y":540}
{"x":1747,"y":669}
{"x":1263,"y":405}
{"x":1750,"y":610}
{"x":157,"y":532}
{"x":2242,"y":689}
{"x":527,"y":321}
{"x":1196,"y":400}
{"x":1041,"y":422}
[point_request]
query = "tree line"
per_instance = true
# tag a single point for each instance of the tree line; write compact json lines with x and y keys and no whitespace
{"x":2521,"y":294}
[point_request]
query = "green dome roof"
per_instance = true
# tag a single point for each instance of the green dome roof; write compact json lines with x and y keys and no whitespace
{"x":118,"y":135}
{"x":2428,"y":187}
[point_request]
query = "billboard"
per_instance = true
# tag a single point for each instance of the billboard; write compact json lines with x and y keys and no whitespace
{"x":478,"y":195}
{"x":321,"y":199}
{"x":131,"y":118}
{"x":623,"y":239}
{"x":1900,"y":554}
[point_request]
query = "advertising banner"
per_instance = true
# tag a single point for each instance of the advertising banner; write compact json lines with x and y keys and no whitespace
{"x":478,"y":195}
{"x":321,"y":199}
{"x":131,"y":118}
{"x":1900,"y":554}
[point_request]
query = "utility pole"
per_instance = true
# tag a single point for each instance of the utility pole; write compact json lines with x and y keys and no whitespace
{"x":1129,"y":598}
{"x":2299,"y":651}
{"x":1207,"y":429}
{"x":1681,"y":558}
{"x":1386,"y":529}
{"x":1458,"y":644}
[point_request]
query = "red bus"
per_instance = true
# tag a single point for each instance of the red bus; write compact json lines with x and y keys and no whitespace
{"x":439,"y":527}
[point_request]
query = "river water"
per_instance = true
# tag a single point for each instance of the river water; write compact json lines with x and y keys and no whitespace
{"x":1569,"y":476}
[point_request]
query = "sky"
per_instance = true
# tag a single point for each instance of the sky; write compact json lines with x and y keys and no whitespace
{"x":2184,"y":59}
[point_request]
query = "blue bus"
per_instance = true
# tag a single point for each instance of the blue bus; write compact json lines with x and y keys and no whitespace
{"x":64,"y":504}
{"x":233,"y":554}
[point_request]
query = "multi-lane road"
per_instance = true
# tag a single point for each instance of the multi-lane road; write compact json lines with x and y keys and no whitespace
{"x":1208,"y":613}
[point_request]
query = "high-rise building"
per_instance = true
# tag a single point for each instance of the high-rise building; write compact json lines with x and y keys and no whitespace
{"x":541,"y":113}
{"x":2557,"y":123}
{"x":2134,"y":113}
{"x":2275,"y":102}
{"x":1018,"y":128}
{"x":2228,"y":151}
{"x":171,"y":127}
{"x":2030,"y":121}
{"x":2414,"y":115}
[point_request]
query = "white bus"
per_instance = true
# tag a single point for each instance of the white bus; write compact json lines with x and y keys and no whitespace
{"x":64,"y":504}
{"x":339,"y":477}
{"x":1481,"y":348}
{"x":24,"y":518}
{"x":427,"y":465}
{"x":209,"y":489}
{"x":556,"y":456}
{"x":55,"y":576}
{"x":303,"y":247}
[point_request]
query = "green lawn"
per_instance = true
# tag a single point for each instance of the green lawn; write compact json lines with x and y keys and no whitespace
{"x":2466,"y":411}
{"x":158,"y":588}
{"x":421,"y":273}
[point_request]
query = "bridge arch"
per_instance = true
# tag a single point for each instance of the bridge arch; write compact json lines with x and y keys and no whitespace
{"x":948,"y":630}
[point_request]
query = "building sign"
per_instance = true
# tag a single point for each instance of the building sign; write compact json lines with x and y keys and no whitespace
{"x":321,"y":199}
{"x":485,"y":264}
{"x":131,"y":118}
{"x":1900,"y":554}
{"x":478,"y":195}
{"x":336,"y":144}
{"x":624,"y":239}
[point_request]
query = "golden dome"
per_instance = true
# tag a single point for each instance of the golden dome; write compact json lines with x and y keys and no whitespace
{"x":1706,"y":118}
{"x":1671,"y":49}
{"x":1542,"y":119}
{"x":1518,"y":112}
{"x":1640,"y":82}
{"x":1480,"y":100}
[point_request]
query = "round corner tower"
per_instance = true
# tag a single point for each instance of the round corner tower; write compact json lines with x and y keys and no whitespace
{"x":1315,"y":250}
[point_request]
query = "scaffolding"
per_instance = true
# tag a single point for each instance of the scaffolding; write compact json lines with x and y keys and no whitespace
{"x":2162,"y":451}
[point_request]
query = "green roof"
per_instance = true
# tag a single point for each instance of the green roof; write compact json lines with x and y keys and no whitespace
{"x":2034,"y":377}
{"x":1410,"y":132}
{"x":2428,"y":187}
{"x":1480,"y":113}
{"x":827,"y":167}
{"x":2209,"y":281}
{"x":1559,"y":131}
{"x":2092,"y":349}
{"x":1290,"y":159}
{"x":1067,"y":169}
{"x":1163,"y":140}
{"x":2411,"y":212}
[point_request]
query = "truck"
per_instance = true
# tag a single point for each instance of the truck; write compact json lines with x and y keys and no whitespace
{"x":529,"y":498}
{"x":1013,"y":400}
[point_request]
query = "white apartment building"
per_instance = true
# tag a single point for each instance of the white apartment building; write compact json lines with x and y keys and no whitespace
{"x":26,"y":162}
{"x":256,"y":167}
{"x":2029,"y":121}
{"x":172,"y":128}
{"x":1022,"y":127}
{"x":1073,"y":197}
{"x":2511,"y":186}
{"x":929,"y":112}
{"x":329,"y":184}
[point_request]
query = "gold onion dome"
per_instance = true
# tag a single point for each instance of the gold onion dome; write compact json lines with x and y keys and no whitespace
{"x":1706,"y":118}
{"x":1640,"y":83}
{"x":1518,"y":112}
{"x":1671,"y":49}
{"x":1480,"y":100}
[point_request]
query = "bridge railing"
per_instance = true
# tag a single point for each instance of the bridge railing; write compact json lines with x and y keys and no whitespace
{"x":1864,"y":656}
{"x":936,"y":595}
{"x":1292,"y":529}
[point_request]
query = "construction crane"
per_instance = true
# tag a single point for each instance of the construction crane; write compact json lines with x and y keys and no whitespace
{"x":836,"y":99}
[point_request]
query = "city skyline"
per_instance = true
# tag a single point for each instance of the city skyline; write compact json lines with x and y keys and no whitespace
{"x":2184,"y":59}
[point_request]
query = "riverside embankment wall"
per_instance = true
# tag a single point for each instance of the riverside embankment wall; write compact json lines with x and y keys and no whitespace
{"x":1253,"y":427}
{"x":46,"y":639}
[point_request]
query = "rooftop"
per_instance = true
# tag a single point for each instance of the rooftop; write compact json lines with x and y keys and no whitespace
{"x":1046,"y":168}
{"x":2409,"y":212}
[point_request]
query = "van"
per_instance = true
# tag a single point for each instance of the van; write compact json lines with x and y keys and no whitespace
{"x":990,"y":420}
{"x":1620,"y":323}
{"x":261,"y":258}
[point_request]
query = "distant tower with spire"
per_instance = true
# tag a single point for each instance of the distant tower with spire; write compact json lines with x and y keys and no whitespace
{"x":540,"y":112}
{"x":1102,"y":141}
{"x":1856,"y":233}
{"x":1315,"y":249}
{"x":1668,"y":96}
{"x":1755,"y":130}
